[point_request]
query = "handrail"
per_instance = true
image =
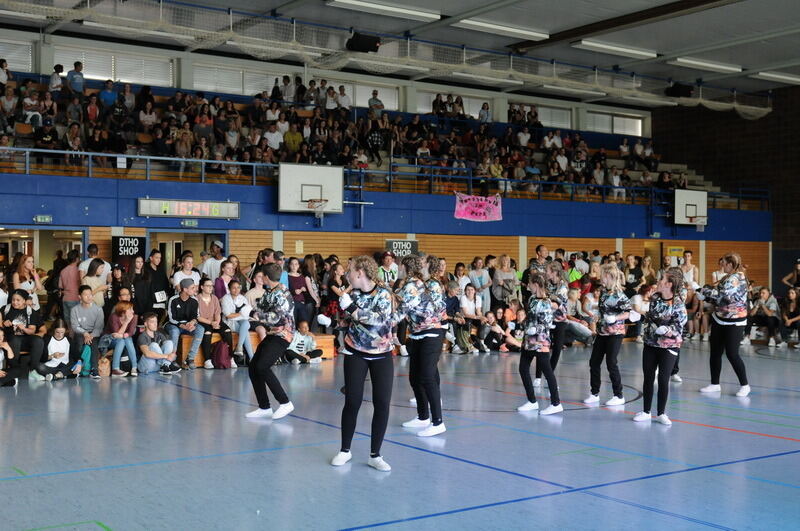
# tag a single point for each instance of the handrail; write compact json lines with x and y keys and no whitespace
{"x":428,"y":175}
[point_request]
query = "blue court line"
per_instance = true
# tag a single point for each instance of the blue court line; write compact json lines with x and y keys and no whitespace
{"x":466,"y":461}
{"x":570,"y":490}
{"x":739,"y":408}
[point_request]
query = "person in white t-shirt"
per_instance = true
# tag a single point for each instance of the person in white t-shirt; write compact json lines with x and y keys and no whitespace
{"x":56,"y":83}
{"x":344,"y":100}
{"x":472,"y":311}
{"x":523,"y":138}
{"x":57,"y":350}
{"x":92,"y":253}
{"x":186,"y":271}
{"x":274,"y":137}
{"x":236,"y":315}
{"x":214,"y":262}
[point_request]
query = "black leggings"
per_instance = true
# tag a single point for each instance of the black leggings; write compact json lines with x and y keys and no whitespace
{"x":32,"y":344}
{"x":726,"y":338}
{"x":605,"y":347}
{"x":772,"y":324}
{"x":381,"y":373}
{"x":224,"y":331}
{"x":556,"y":344}
{"x":662,"y":359}
{"x":311,"y":354}
{"x":424,"y":375}
{"x":260,"y":371}
{"x":542,"y":360}
{"x":63,"y":368}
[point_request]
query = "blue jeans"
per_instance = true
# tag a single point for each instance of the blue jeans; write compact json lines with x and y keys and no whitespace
{"x":120,"y":344}
{"x":243,"y":343}
{"x":68,"y":306}
{"x":197,"y":337}
{"x":147,"y":365}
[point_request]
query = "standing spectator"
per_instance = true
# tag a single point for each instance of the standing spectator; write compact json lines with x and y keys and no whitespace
{"x":75,"y":82}
{"x":69,"y":280}
{"x":92,"y":252}
{"x":5,"y":74}
{"x":344,"y":102}
{"x":211,"y":267}
{"x":485,"y":115}
{"x":376,"y":105}
{"x":108,"y":96}
{"x":56,"y":83}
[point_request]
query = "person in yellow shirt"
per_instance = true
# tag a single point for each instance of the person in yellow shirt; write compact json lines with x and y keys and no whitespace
{"x":292,"y":139}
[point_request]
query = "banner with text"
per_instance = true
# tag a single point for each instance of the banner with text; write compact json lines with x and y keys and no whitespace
{"x":124,"y":249}
{"x":479,"y":208}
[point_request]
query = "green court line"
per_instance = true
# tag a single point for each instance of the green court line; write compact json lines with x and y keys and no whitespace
{"x":766,"y":414}
{"x":101,"y":525}
{"x":581,"y":451}
{"x":18,"y":471}
{"x":720,"y":415}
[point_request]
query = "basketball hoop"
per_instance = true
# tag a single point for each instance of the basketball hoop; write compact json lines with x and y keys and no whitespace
{"x":699,"y":222}
{"x":317,"y":206}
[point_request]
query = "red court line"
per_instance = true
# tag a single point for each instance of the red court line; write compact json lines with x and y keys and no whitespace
{"x":747,"y":432}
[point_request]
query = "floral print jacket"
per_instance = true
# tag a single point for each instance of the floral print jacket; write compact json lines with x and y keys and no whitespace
{"x":612,"y":303}
{"x":537,"y":325}
{"x":371,"y":321}
{"x":558,"y":293}
{"x":668,"y":313}
{"x":276,"y":310}
{"x":423,"y":304}
{"x":730,"y":299}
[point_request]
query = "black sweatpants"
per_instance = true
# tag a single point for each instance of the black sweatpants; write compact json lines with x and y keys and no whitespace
{"x":772,"y":324}
{"x":423,"y":374}
{"x":605,"y":347}
{"x":33,"y":345}
{"x":381,"y":374}
{"x":63,"y":368}
{"x":726,"y":338}
{"x":662,"y":359}
{"x":260,"y":371}
{"x":543,"y":361}
{"x":224,"y":331}
{"x":311,"y":354}
{"x":556,"y":345}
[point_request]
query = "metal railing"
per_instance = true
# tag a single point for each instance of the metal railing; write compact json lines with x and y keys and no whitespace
{"x":423,"y":178}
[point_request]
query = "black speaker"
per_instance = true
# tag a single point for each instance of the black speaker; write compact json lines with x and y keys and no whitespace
{"x":679,"y":90}
{"x":363,"y":43}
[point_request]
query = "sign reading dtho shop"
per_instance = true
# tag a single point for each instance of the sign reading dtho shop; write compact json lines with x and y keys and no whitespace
{"x":401,"y":248}
{"x":124,"y":249}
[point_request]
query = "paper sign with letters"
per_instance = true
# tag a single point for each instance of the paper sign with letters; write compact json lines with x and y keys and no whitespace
{"x":479,"y":208}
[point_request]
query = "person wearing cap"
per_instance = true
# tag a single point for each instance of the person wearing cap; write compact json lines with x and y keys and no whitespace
{"x":183,"y":311}
{"x":45,"y":137}
{"x":213,"y":263}
{"x":388,"y":269}
{"x":20,"y":324}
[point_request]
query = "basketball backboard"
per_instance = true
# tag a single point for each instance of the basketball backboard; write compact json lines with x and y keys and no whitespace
{"x":691,"y":207}
{"x":300,"y":183}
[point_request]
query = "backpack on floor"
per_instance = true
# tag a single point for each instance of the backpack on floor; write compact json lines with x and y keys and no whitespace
{"x":221,"y":355}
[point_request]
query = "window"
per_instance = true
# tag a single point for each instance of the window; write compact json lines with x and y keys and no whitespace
{"x":627,"y":125}
{"x":98,"y":64}
{"x":388,"y":95}
{"x":599,"y":122}
{"x":555,"y":117}
{"x":18,"y":54}
{"x":213,"y":79}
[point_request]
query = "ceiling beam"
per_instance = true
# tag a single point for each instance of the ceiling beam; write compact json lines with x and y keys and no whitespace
{"x":755,"y":70}
{"x":650,"y":15}
{"x":452,"y":19}
{"x":719,"y":45}
{"x":61,"y":23}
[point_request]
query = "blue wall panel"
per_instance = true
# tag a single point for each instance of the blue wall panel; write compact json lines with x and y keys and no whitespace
{"x":75,"y":201}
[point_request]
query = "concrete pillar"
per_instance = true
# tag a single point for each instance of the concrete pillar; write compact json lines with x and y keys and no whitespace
{"x":701,"y":265}
{"x":408,"y":99}
{"x":522,"y":258}
{"x":277,"y":240}
{"x":184,"y":73}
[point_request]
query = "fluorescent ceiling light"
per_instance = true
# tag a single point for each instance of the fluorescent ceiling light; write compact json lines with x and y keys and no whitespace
{"x":273,"y":48}
{"x":701,"y":64}
{"x":17,"y":14}
{"x":111,"y":27}
{"x":651,"y":101}
{"x":399,"y":66}
{"x":614,"y":49}
{"x":384,"y":9}
{"x":504,"y":81}
{"x":500,"y":29}
{"x":777,"y":76}
{"x":571,"y":90}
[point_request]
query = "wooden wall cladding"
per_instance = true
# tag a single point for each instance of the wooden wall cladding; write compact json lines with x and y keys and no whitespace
{"x":101,"y":236}
{"x":342,"y":244}
{"x":464,"y":248}
{"x":755,"y":255}
{"x":245,"y":244}
{"x":636,"y":246}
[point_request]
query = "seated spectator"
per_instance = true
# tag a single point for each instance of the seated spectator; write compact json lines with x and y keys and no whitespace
{"x":158,"y":352}
{"x":93,"y":115}
{"x":120,"y":329}
{"x":31,"y":109}
{"x":57,"y":350}
{"x":148,"y":117}
{"x":45,"y":137}
{"x":128,"y":97}
{"x":87,"y":325}
{"x":765,"y":312}
{"x":21,"y":323}
{"x":790,"y":316}
{"x":650,"y":158}
{"x":472,"y":312}
{"x":182,"y":312}
{"x":8,"y":110}
{"x":303,"y":348}
{"x":236,"y":315}
{"x":210,"y":318}
{"x":144,"y":97}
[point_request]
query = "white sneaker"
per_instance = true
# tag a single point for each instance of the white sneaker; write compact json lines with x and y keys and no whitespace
{"x":412,"y":401}
{"x":745,"y":341}
{"x":233,"y":364}
{"x":475,"y":351}
{"x":35,"y":376}
{"x":711,"y":389}
{"x":642,"y":417}
{"x":432,"y":430}
{"x":379,"y":464}
{"x":771,"y":342}
{"x":591,"y":399}
{"x":551,"y":409}
{"x":676,"y":378}
{"x":315,"y":360}
{"x":403,"y":350}
{"x":780,"y":344}
{"x":615,"y":401}
{"x":664,"y":419}
{"x":795,"y":346}
{"x":417,"y":423}
{"x":743,"y":390}
{"x":639,"y":339}
{"x":208,"y":364}
{"x":528,"y":406}
{"x":537,"y":382}
{"x":704,"y":337}
{"x":295,"y":361}
{"x":283,"y":410}
{"x":48,"y":377}
{"x":753,"y":332}
{"x":341,"y":458}
{"x":450,"y":337}
{"x":259,"y":413}
{"x":456,"y":349}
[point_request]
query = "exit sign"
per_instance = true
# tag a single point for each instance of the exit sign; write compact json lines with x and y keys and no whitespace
{"x":43,"y":218}
{"x":189,"y":223}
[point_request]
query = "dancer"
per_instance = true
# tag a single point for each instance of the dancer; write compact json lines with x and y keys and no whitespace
{"x":663,"y":335}
{"x":422,"y":302}
{"x":537,"y":345}
{"x":728,"y":322}
{"x":369,"y":346}
{"x":277,"y":312}
{"x":614,"y":310}
{"x":558,"y":292}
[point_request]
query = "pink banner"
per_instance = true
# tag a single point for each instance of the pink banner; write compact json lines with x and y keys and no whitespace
{"x":479,"y":208}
